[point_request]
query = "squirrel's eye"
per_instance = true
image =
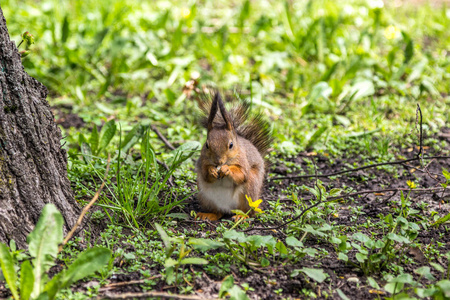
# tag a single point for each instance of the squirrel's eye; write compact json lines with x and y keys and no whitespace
{"x":231,"y":145}
{"x":207,"y":146}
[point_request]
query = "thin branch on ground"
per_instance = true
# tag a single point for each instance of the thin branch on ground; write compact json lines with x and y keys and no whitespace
{"x":428,"y":190}
{"x":147,"y":295}
{"x":131,"y":282}
{"x":162,"y":138}
{"x":444,"y":135}
{"x":398,"y":162}
{"x":419,"y":157}
{"x":165,"y":166}
{"x":87,"y":207}
{"x":425,"y":170}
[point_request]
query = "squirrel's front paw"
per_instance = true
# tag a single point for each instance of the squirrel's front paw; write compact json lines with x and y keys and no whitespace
{"x":224,"y":171}
{"x":213,"y":172}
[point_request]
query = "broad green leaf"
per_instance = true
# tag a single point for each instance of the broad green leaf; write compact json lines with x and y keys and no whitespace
{"x":87,"y":263}
{"x":12,"y":246}
{"x":107,"y":133}
{"x":320,"y":91}
{"x":132,"y":137}
{"x":444,"y":285}
{"x":310,"y":251}
{"x":234,"y":235}
{"x":398,"y":238}
{"x":281,"y":248}
{"x":170,"y":262}
{"x":227,"y":284}
{"x":293,"y":242}
{"x":442,"y":220}
{"x":343,"y":244}
{"x":409,"y":49}
{"x":245,"y":12}
{"x":193,"y":261}
{"x":94,"y":140}
{"x":342,"y":295}
{"x":204,"y":244}
{"x":163,"y":235}
{"x":81,"y":139}
{"x":26,"y":280}
{"x":317,"y":274}
{"x":316,"y":136}
{"x":446,"y":174}
{"x":393,"y":287}
{"x":86,"y":151}
{"x":43,"y":296}
{"x":361,"y":257}
{"x":361,"y":237}
{"x":65,"y":29}
{"x":372,"y":282}
{"x":265,"y":262}
{"x":236,"y":293}
{"x":170,"y":275}
{"x":361,"y":89}
{"x":170,"y":95}
{"x":260,"y":241}
{"x":181,"y":216}
{"x":43,"y":244}
{"x":334,"y":192}
{"x":438,"y":267}
{"x":342,"y":256}
{"x":403,"y":278}
{"x":53,"y":286}
{"x":7,"y":266}
{"x":310,"y":229}
{"x":369,"y":244}
{"x":335,"y":240}
{"x":343,"y":120}
{"x":425,"y":271}
{"x":379,"y":244}
{"x":428,"y":85}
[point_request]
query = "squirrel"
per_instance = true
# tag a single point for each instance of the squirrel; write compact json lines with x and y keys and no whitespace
{"x":231,"y":164}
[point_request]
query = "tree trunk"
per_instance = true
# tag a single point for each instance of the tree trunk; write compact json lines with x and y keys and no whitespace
{"x":33,"y":167}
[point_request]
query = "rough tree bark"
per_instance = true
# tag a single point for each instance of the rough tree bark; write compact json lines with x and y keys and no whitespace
{"x":33,"y":167}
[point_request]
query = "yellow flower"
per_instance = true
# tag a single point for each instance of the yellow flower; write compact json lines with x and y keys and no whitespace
{"x":391,"y":32}
{"x":254,"y":204}
{"x":185,"y":12}
{"x":411,"y":184}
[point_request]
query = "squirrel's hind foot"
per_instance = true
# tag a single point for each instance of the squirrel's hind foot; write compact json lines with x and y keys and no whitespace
{"x":208,"y":216}
{"x":238,"y":217}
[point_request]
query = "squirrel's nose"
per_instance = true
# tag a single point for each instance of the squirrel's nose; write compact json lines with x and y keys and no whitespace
{"x":221,"y":162}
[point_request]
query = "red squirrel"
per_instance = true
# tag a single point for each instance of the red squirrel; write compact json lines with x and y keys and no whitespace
{"x":231,"y":164}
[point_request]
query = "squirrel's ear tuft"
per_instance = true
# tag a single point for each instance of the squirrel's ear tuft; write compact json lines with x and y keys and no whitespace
{"x":212,"y":113}
{"x":223,"y":111}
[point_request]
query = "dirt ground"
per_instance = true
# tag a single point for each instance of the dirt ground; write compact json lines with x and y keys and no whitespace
{"x":350,"y":280}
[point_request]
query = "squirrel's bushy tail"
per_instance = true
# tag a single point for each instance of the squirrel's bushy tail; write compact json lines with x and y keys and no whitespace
{"x":249,"y":126}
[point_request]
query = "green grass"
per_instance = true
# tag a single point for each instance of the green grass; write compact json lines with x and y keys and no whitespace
{"x":339,"y":78}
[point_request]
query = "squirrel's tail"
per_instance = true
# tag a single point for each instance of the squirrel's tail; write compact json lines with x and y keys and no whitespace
{"x":250,"y":126}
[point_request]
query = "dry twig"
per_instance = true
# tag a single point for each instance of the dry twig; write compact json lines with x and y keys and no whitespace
{"x":87,"y":207}
{"x":431,"y":190}
{"x":398,"y":162}
{"x":149,"y":294}
{"x":119,"y":284}
{"x":162,"y":137}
